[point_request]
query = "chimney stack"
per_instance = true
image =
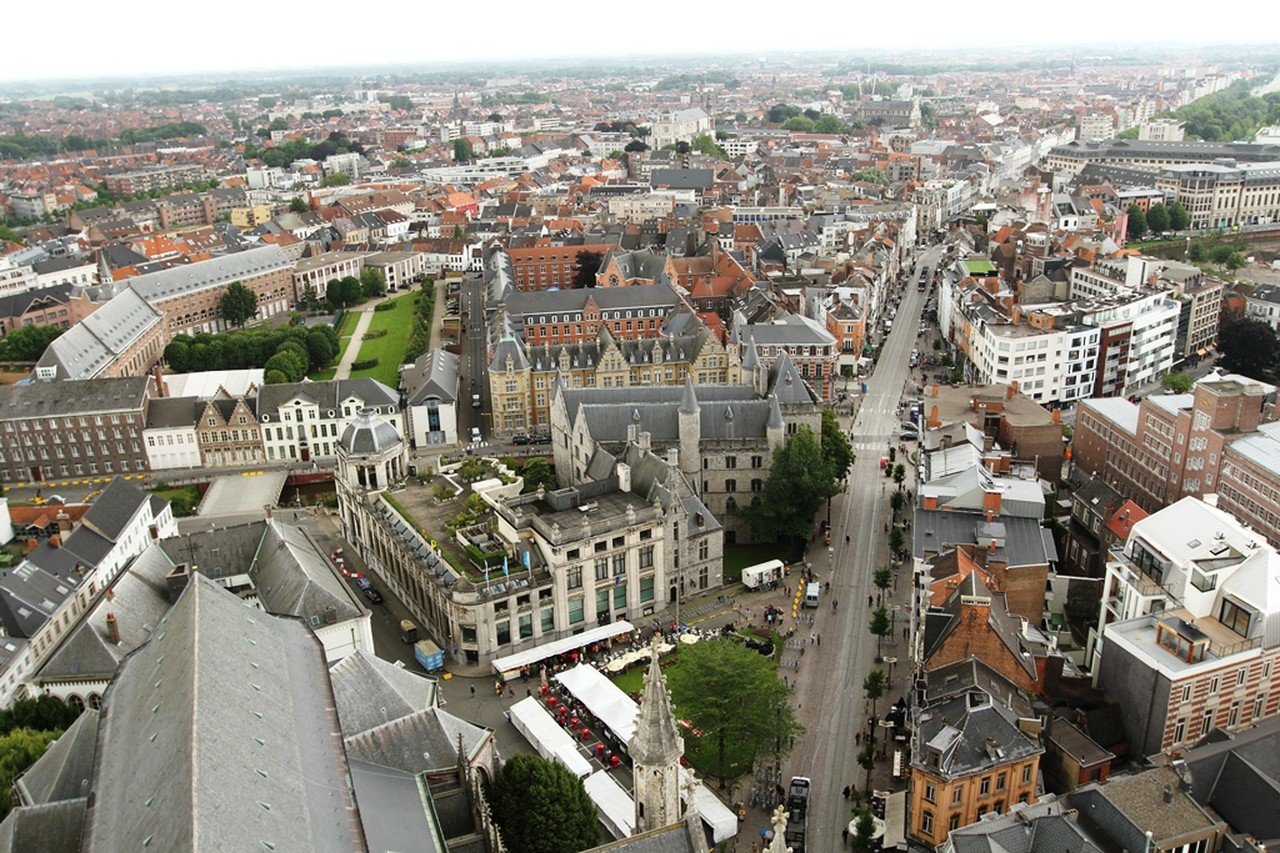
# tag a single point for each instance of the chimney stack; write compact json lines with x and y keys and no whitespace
{"x":177,"y":581}
{"x":113,"y":629}
{"x":64,"y":522}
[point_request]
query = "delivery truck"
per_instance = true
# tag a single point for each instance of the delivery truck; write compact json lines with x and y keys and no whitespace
{"x":762,"y":574}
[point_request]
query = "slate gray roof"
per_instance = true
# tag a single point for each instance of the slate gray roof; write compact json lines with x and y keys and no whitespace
{"x":294,"y":578}
{"x":66,"y":768}
{"x":90,"y":346}
{"x":56,"y":826}
{"x":327,"y":394}
{"x":1039,"y":828}
{"x":223,"y":726}
{"x":369,"y":433}
{"x":682,"y":179}
{"x":677,"y":838}
{"x":214,"y":272}
{"x":725,"y":411}
{"x":934,"y":531}
{"x":55,"y":399}
{"x":139,"y":600}
{"x":111,"y":513}
{"x":433,"y":375}
{"x":370,"y":691}
{"x":419,"y":742}
{"x":393,"y":811}
{"x":165,"y":412}
{"x":1127,"y":807}
{"x":1238,"y":777}
{"x":642,"y":263}
{"x":17,"y":304}
{"x":542,"y":302}
{"x":962,"y":729}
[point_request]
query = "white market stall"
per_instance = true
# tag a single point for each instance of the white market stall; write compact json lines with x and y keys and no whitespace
{"x":510,"y":666}
{"x":616,"y":808}
{"x":547,"y":737}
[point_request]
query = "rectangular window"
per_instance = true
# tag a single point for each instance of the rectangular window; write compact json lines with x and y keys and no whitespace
{"x":926,"y":823}
{"x":504,"y":632}
{"x":577,"y":613}
{"x":1206,"y":722}
{"x":573,"y":578}
{"x":957,"y":795}
{"x":1180,"y":730}
{"x":1000,"y":782}
{"x":930,"y":792}
{"x":646,"y":589}
{"x":646,"y":557}
{"x":619,"y":564}
{"x":984,"y":787}
{"x":548,"y":620}
{"x":1026,"y":774}
{"x":602,"y":601}
{"x":1186,"y":693}
{"x":602,"y":568}
{"x":620,"y":597}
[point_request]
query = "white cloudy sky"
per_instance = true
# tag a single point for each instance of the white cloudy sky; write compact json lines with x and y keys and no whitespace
{"x":78,"y":38}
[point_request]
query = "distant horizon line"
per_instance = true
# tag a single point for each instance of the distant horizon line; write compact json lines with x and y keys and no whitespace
{"x":957,"y":56}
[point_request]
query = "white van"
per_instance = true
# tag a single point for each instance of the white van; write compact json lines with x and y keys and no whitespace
{"x":812,"y":593}
{"x":475,"y":435}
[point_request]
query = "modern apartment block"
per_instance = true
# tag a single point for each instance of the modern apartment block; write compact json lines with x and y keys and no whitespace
{"x":145,"y":180}
{"x":1189,"y":627}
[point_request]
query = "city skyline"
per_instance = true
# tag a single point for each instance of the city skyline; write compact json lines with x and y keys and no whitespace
{"x":243,"y":38}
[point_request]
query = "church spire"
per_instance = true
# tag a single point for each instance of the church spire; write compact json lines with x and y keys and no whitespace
{"x":656,"y":749}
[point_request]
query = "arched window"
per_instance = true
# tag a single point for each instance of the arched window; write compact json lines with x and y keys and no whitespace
{"x":95,"y":701}
{"x":75,"y":702}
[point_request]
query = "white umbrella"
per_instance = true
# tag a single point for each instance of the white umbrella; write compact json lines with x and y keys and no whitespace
{"x":689,"y":639}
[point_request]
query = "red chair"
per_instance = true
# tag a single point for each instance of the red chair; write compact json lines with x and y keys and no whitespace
{"x":544,"y":689}
{"x":552,"y":701}
{"x":586,"y":734}
{"x":615,"y":761}
{"x":573,"y":721}
{"x":599,"y":749}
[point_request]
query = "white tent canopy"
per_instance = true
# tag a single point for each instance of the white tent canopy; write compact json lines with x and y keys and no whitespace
{"x":604,"y":699}
{"x":514,"y":663}
{"x":616,"y":710}
{"x":617,"y":809}
{"x":544,"y":733}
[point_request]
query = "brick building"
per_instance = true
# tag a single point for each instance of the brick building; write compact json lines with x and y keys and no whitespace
{"x":189,"y":296}
{"x":546,"y":266}
{"x":1168,"y":446}
{"x":574,"y":316}
{"x":72,"y":429}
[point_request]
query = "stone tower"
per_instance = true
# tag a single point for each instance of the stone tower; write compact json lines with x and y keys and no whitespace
{"x":689,"y":417}
{"x":656,"y":749}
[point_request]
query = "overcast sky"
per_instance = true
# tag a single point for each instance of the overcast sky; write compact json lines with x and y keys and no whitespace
{"x":89,"y":38}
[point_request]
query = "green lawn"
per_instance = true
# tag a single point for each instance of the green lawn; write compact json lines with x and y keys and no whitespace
{"x":345,"y":329}
{"x":388,"y":349}
{"x":738,"y":557}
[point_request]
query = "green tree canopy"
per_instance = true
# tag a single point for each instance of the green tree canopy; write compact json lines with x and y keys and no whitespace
{"x":538,"y":472}
{"x":706,"y":144}
{"x":338,"y":179}
{"x":372,"y":283}
{"x":540,"y":807}
{"x":828,"y":123}
{"x":779,"y":113}
{"x":462,"y":151}
{"x":1158,"y":218}
{"x":1178,"y":383}
{"x":1248,"y":347}
{"x":1137,"y":222}
{"x":880,"y":626}
{"x":586,"y":267}
{"x":27,"y":343}
{"x":238,"y":303}
{"x":297,"y":205}
{"x":799,"y":481}
{"x":1178,"y":218}
{"x":735,"y":697}
{"x":19,"y":749}
{"x":42,"y":713}
{"x":287,"y":363}
{"x":836,"y":449}
{"x":800,"y":124}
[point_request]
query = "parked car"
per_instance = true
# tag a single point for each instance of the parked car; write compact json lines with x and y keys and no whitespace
{"x":373,"y":595}
{"x":520,"y":438}
{"x":543,"y":438}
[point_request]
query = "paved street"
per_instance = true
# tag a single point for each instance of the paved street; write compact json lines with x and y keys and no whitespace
{"x":829,"y":697}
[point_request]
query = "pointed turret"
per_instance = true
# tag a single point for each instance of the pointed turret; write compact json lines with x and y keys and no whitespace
{"x":689,"y":420}
{"x":776,"y":428}
{"x":655,"y":749}
{"x":689,"y":401}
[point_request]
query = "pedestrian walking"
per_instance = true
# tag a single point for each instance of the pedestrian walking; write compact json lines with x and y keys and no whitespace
{"x":877,"y":599}
{"x":857,"y":738}
{"x":819,"y":636}
{"x":869,"y":600}
{"x":846,"y":792}
{"x":473,"y":690}
{"x":813,"y":638}
{"x":835,"y":602}
{"x":844,"y":832}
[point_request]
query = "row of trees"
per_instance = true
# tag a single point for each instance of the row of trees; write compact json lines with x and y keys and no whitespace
{"x":420,"y":335}
{"x":287,"y":354}
{"x":1232,"y":114}
{"x":1158,"y":218}
{"x":350,"y":290}
{"x":26,"y":730}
